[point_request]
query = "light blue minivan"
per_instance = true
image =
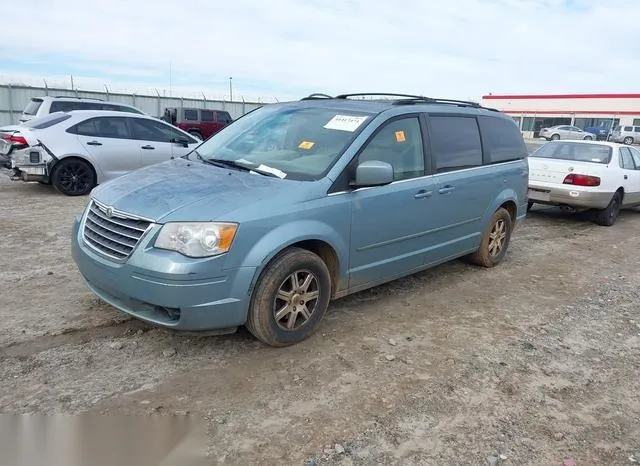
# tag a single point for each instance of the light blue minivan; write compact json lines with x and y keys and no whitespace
{"x":299,"y":203}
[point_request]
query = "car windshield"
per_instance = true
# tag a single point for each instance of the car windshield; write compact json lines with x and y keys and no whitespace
{"x":576,"y":151}
{"x":292,"y":142}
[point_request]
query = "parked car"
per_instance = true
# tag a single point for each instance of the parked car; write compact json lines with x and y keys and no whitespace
{"x":41,"y":106}
{"x":199,"y":122}
{"x":626,"y":134}
{"x":77,"y":150}
{"x":604,"y":176}
{"x":565,"y":132}
{"x":299,"y":203}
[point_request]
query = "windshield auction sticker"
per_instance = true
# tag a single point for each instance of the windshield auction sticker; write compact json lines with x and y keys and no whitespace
{"x":345,"y":123}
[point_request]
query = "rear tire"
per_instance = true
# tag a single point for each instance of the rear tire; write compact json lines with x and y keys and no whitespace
{"x":73,"y":177}
{"x":588,"y":138}
{"x":628,"y":140}
{"x":555,"y":137}
{"x":290,"y":299}
{"x":495,"y":240}
{"x":608,"y":216}
{"x":529,"y":205}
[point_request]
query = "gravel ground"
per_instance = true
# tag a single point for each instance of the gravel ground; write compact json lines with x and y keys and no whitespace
{"x":528,"y":363}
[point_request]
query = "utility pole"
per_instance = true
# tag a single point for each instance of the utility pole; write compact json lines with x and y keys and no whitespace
{"x":170,"y":79}
{"x":230,"y":89}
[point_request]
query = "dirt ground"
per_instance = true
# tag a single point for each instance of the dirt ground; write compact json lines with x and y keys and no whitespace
{"x":528,"y":363}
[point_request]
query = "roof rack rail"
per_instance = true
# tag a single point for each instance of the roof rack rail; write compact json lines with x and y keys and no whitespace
{"x":380,"y":94}
{"x":317,"y":95}
{"x":76,"y":97}
{"x":459,"y":103}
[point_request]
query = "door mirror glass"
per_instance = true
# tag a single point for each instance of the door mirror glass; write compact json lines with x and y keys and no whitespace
{"x":181,"y":141}
{"x":373,"y":173}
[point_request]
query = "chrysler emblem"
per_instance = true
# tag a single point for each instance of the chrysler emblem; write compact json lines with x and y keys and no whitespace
{"x":108,"y":211}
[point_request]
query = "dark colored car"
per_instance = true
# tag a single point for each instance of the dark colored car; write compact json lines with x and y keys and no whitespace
{"x":198,"y":122}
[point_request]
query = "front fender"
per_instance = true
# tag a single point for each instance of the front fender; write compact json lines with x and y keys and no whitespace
{"x":291,"y":233}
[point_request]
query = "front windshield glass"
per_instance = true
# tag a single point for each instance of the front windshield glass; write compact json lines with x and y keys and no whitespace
{"x":292,"y":142}
{"x":576,"y":151}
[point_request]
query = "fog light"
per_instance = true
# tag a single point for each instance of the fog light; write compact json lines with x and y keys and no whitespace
{"x":34,"y":157}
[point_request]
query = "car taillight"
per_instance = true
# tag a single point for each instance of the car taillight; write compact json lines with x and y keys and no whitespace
{"x":17,"y":140}
{"x":581,"y":180}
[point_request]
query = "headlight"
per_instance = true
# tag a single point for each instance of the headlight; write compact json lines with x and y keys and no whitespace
{"x":197,"y":239}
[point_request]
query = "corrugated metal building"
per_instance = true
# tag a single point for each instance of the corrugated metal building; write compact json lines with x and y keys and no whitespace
{"x":586,"y":111}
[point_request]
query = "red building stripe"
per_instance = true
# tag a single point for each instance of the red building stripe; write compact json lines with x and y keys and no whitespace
{"x":571,"y":112}
{"x":561,"y":96}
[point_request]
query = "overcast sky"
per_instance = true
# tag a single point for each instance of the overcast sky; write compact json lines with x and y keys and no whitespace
{"x":286,"y":49}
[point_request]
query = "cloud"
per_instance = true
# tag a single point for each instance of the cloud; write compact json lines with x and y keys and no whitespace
{"x":285,"y":48}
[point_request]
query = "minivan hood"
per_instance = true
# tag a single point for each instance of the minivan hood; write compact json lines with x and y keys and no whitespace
{"x":158,"y":191}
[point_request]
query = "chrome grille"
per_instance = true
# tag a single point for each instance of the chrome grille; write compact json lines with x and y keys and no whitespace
{"x":113,"y":235}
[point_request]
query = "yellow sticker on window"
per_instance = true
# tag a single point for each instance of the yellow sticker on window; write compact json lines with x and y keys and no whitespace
{"x":400,"y":136}
{"x":306,"y":145}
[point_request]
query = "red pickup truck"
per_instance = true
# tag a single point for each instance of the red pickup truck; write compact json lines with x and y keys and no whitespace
{"x":199,"y":122}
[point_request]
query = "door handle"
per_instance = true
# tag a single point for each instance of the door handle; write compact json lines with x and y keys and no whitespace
{"x":446,"y":189}
{"x":147,"y":147}
{"x":422,"y":194}
{"x":94,"y":143}
{"x":626,"y":177}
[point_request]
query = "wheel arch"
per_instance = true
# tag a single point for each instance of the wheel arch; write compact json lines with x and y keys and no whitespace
{"x":325,"y":242}
{"x":96,"y":173}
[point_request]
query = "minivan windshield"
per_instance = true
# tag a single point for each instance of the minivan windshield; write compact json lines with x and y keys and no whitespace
{"x":292,"y":142}
{"x":576,"y":151}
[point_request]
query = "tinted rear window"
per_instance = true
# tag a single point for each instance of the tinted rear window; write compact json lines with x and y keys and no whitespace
{"x":455,"y":143}
{"x":575,"y":151}
{"x":33,"y":106}
{"x":502,"y":139}
{"x":47,"y":121}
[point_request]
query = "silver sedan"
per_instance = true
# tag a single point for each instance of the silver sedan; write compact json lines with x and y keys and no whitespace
{"x":566,"y":132}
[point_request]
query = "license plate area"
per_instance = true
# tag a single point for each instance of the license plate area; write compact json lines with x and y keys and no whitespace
{"x":539,"y":194}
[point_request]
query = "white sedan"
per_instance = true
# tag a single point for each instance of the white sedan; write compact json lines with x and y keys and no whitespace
{"x":77,"y":150}
{"x":604,"y":176}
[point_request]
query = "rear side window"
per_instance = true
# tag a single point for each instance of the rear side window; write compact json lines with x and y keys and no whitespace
{"x":636,"y":129}
{"x":66,"y":106}
{"x":191,"y":115}
{"x":455,"y":143}
{"x":105,"y":127}
{"x":502,"y":139}
{"x":224,"y":117}
{"x":47,"y":121}
{"x":626,"y":159}
{"x":32,"y":107}
{"x":628,"y":128}
{"x":206,"y":115}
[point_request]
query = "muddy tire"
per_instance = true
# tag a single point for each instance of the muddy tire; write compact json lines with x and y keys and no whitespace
{"x":73,"y":177}
{"x":608,"y":216}
{"x":290,"y":298}
{"x":495,"y":240}
{"x":529,"y":205}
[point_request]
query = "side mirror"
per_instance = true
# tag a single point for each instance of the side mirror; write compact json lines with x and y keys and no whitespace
{"x":373,"y":173}
{"x":181,"y":141}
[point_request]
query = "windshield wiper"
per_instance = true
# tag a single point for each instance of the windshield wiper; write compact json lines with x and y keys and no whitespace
{"x":238,"y":166}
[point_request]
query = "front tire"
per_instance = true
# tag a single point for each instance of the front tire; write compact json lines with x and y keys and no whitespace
{"x":608,"y":216}
{"x":290,"y":299}
{"x":495,"y":241}
{"x":73,"y":177}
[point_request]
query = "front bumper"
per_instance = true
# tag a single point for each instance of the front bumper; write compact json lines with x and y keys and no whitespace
{"x":568,"y":195}
{"x":199,"y":296}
